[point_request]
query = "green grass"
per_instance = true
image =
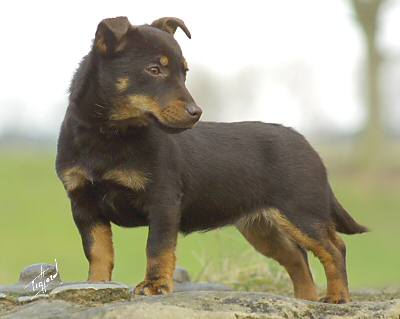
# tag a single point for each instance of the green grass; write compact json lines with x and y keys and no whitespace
{"x":36,"y":226}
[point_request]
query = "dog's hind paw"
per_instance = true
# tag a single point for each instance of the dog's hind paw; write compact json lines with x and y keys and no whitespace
{"x":335,"y":299}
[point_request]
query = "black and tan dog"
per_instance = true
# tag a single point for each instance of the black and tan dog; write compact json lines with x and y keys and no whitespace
{"x":121,"y":161}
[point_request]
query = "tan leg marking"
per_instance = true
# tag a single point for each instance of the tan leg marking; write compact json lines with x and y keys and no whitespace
{"x":101,"y":262}
{"x":159,"y":275}
{"x":267,"y":239}
{"x":329,"y":255}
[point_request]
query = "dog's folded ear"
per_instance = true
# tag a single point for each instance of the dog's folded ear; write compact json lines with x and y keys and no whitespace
{"x":170,"y":24}
{"x":110,"y":35}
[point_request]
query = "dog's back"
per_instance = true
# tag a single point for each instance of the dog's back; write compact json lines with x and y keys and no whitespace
{"x":232,"y":169}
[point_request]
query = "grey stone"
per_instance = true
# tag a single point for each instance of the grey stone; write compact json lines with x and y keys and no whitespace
{"x":26,"y":299}
{"x":40,"y":271}
{"x":190,"y":300}
{"x":92,"y":292}
{"x":210,"y":304}
{"x":44,"y":309}
{"x":200,"y":286}
{"x":35,"y":278}
{"x":15,"y":290}
{"x":388,"y":293}
{"x":181,"y":275}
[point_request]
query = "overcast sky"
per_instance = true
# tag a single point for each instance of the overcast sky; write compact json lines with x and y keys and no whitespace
{"x":43,"y":41}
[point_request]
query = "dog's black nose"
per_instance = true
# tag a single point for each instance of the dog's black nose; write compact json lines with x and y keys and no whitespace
{"x":194,"y":110}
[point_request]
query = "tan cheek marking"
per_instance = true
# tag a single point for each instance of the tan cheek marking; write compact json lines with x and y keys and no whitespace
{"x":74,"y":178}
{"x":135,"y":107}
{"x":125,"y":112}
{"x":132,"y":179}
{"x":122,"y":84}
{"x":174,"y":113}
{"x":144,"y":103}
{"x":164,"y":60}
{"x":185,"y":65}
{"x":101,"y":254}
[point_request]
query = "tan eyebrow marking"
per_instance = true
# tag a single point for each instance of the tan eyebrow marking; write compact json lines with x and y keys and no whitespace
{"x":185,"y":65}
{"x":164,"y":60}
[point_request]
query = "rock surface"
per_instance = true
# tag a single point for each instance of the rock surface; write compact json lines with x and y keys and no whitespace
{"x":203,"y":304}
{"x":191,"y":300}
{"x":39,"y":280}
{"x":94,"y":293}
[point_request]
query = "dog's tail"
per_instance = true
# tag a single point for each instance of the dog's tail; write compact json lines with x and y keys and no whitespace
{"x":343,"y":221}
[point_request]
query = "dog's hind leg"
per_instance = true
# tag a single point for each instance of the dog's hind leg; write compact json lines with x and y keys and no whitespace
{"x":331,"y":253}
{"x":338,"y":242}
{"x":270,"y":241}
{"x":323,"y":241}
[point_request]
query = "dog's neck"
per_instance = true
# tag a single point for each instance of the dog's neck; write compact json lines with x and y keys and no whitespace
{"x":86,"y":104}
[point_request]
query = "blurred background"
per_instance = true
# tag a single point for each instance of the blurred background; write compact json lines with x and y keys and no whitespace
{"x":330,"y":69}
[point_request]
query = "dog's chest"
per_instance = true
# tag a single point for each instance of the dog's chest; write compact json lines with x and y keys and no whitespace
{"x":120,"y":205}
{"x":118,"y":192}
{"x":81,"y":175}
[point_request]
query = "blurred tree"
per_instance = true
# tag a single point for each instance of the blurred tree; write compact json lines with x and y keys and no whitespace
{"x":367,"y":13}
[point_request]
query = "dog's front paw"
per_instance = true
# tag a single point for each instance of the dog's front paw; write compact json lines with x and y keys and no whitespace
{"x":159,"y":286}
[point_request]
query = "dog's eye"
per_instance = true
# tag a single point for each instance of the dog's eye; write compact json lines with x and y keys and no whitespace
{"x":153,"y":70}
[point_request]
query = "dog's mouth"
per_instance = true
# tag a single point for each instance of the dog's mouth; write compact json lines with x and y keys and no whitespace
{"x":171,"y":128}
{"x":178,"y":115}
{"x":140,"y":110}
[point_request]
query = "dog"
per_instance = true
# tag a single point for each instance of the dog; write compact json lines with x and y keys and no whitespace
{"x":132,"y":152}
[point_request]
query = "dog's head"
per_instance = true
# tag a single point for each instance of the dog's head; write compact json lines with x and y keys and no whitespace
{"x":141,"y":74}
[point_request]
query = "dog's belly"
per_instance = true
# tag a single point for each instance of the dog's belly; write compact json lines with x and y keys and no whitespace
{"x":204,"y":217}
{"x":214,"y":220}
{"x":120,"y":205}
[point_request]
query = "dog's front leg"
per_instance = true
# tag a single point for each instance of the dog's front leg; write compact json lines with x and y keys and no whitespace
{"x":96,"y":235}
{"x":160,"y":250}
